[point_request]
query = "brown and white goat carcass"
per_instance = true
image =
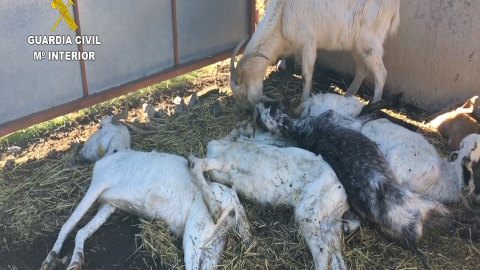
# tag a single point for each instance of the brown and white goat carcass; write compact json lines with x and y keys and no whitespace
{"x":457,"y":122}
{"x":283,"y":176}
{"x":300,"y":27}
{"x":151,"y":185}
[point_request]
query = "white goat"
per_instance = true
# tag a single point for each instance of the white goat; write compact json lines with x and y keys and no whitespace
{"x":301,"y":27}
{"x":154,"y":186}
{"x":290,"y":176}
{"x":320,"y":103}
{"x":414,"y":161}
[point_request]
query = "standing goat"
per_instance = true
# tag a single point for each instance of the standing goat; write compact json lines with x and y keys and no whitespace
{"x":371,"y":187}
{"x":300,"y":27}
{"x":261,"y":172}
{"x":154,"y":186}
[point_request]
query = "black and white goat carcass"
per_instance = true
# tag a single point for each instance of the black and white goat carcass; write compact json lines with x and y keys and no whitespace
{"x":371,"y":186}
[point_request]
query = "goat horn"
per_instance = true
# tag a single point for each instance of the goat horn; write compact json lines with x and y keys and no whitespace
{"x":465,"y":203}
{"x":266,"y":99}
{"x":241,"y":64}
{"x":138,"y":130}
{"x":122,"y":115}
{"x":234,"y":54}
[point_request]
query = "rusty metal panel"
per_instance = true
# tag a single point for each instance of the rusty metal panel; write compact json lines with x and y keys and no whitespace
{"x":142,"y":43}
{"x":206,"y":27}
{"x":136,"y":40}
{"x":28,"y":86}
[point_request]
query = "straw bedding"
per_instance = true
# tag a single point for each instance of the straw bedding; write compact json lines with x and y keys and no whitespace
{"x":36,"y":197}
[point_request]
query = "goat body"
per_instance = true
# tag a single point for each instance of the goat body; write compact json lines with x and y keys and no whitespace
{"x":371,"y":187}
{"x":154,"y":186}
{"x":289,"y":176}
{"x":414,"y":161}
{"x":300,"y":27}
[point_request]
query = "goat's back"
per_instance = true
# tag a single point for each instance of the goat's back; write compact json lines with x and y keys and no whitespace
{"x":269,"y":174}
{"x":149,"y":184}
{"x":414,"y":161}
{"x":336,"y":25}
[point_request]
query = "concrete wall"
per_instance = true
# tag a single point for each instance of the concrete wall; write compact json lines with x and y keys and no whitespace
{"x":435,"y":55}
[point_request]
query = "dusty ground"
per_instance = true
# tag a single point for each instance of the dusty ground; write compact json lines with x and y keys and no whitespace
{"x":117,"y":245}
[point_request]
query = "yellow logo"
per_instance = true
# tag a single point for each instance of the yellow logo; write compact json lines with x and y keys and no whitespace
{"x":62,"y":9}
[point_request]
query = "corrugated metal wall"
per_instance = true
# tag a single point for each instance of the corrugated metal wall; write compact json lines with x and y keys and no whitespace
{"x":139,"y":40}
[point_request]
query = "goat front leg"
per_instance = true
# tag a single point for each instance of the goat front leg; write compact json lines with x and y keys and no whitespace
{"x":309,"y":55}
{"x":52,"y":262}
{"x":197,"y":167}
{"x":78,"y":262}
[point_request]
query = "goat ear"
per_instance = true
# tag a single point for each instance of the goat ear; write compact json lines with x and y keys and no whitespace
{"x":453,"y":156}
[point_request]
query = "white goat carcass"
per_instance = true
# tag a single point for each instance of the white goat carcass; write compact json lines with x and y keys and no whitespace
{"x":318,"y":104}
{"x":154,"y":186}
{"x":414,"y":161}
{"x":300,"y":27}
{"x":274,"y":176}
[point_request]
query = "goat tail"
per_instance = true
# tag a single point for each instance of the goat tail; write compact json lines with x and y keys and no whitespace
{"x":430,"y":208}
{"x":405,"y":221}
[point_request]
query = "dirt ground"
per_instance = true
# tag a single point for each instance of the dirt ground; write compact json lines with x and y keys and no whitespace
{"x":117,"y":245}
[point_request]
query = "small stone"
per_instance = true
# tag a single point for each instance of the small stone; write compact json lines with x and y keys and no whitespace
{"x":135,"y":120}
{"x":179,"y":108}
{"x":190,"y":136}
{"x":178,"y":100}
{"x":193,"y":101}
{"x":9,"y":163}
{"x":160,"y":113}
{"x":14,"y":149}
{"x":148,"y":111}
{"x":215,"y":108}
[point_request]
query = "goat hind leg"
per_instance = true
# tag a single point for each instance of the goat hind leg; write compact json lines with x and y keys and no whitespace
{"x":309,"y":55}
{"x":373,"y":60}
{"x":90,"y":197}
{"x":360,"y":74}
{"x":197,"y":167}
{"x":78,"y":262}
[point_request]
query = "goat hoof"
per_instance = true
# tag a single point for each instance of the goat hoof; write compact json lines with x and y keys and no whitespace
{"x":74,"y":266}
{"x":191,"y":162}
{"x":298,"y":111}
{"x":52,"y":262}
{"x":78,"y":263}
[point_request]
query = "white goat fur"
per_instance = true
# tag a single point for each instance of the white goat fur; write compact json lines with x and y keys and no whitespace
{"x":154,"y":186}
{"x":414,"y":161}
{"x":347,"y":106}
{"x":261,"y":172}
{"x":300,"y":27}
